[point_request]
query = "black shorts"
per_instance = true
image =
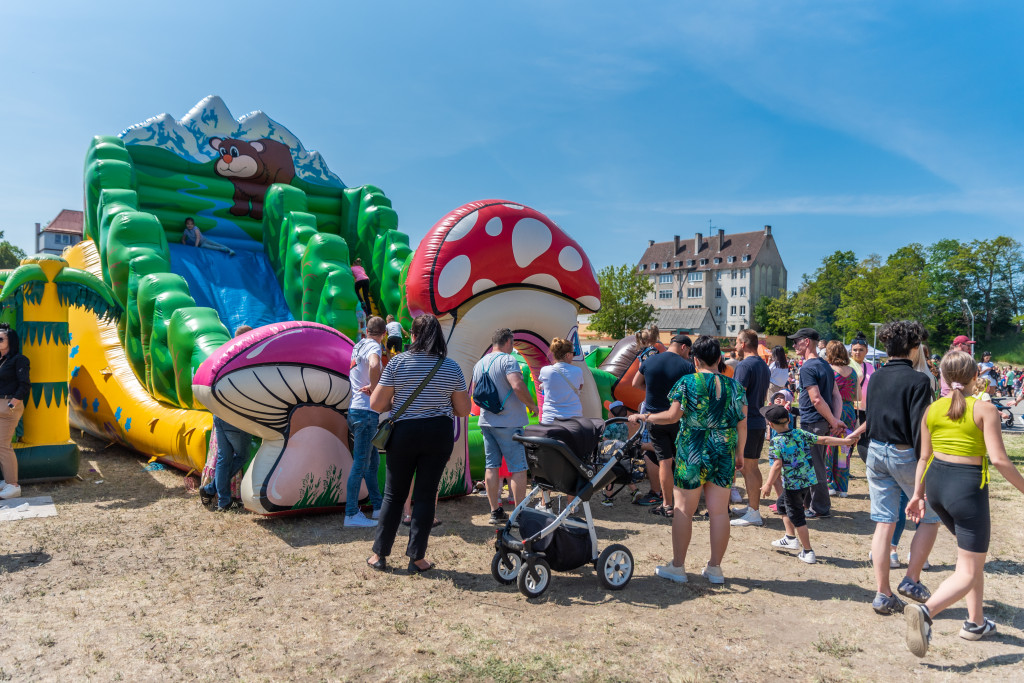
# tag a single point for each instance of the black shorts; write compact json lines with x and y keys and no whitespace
{"x":791,"y":503}
{"x":755,"y":443}
{"x":955,"y":493}
{"x":394,"y":344}
{"x":664,"y":439}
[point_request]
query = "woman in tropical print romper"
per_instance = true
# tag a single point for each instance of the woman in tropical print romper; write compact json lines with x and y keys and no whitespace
{"x":712,"y":410}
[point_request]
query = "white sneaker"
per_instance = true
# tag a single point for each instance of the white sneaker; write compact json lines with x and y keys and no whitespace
{"x":671,"y":572}
{"x":739,"y":512}
{"x":713,"y":574}
{"x":359,"y":519}
{"x":10,"y":491}
{"x":734,"y":496}
{"x":751,"y":518}
{"x":832,"y":492}
{"x":2,"y":483}
{"x":807,"y":556}
{"x":376,"y":513}
{"x":843,"y":494}
{"x":894,"y":559}
{"x":787,"y":543}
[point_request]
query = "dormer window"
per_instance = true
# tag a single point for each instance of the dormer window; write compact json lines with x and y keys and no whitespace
{"x":666,"y":264}
{"x":679,"y":264}
{"x":690,"y":262}
{"x":703,"y":261}
{"x":732,"y":259}
{"x":746,"y":257}
{"x":643,"y":266}
{"x":717,"y":261}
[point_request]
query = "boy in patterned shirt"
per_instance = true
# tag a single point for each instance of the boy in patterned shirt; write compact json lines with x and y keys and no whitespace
{"x":791,"y":451}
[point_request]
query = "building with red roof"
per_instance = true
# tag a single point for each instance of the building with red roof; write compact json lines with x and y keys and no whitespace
{"x":62,"y":232}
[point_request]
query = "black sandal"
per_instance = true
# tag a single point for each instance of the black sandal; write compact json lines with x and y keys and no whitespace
{"x":380,"y":565}
{"x":416,"y":569}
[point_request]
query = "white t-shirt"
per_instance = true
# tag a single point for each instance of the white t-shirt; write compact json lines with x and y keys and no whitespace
{"x":394,"y":329}
{"x":779,"y":376}
{"x":359,"y":372}
{"x":561,"y":384}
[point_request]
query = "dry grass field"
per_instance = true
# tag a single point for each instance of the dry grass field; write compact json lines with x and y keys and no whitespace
{"x":134,"y":580}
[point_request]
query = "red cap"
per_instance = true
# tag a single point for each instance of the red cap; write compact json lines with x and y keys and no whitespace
{"x":962,"y":339}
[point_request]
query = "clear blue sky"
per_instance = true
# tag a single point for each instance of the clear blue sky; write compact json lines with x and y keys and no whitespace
{"x":862,"y":125}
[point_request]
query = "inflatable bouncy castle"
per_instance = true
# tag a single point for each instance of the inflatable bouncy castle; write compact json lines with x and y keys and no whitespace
{"x":290,"y":232}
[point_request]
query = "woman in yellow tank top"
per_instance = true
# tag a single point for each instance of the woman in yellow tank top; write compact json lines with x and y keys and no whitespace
{"x":957,"y":433}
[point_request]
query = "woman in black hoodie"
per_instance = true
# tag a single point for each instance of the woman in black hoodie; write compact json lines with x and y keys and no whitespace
{"x":14,"y":389}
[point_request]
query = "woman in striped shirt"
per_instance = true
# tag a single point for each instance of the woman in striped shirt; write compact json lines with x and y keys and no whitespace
{"x":422,"y":440}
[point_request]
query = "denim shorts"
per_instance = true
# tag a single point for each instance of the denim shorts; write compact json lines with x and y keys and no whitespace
{"x":891,"y":470}
{"x":498,"y":443}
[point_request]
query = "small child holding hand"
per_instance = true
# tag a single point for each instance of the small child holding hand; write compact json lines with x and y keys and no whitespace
{"x":791,"y":450}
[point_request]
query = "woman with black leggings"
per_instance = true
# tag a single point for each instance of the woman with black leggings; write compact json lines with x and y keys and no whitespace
{"x":422,"y":440}
{"x":956,"y":434}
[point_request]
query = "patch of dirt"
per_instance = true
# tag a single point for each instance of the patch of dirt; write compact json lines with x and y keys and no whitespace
{"x":135,"y":580}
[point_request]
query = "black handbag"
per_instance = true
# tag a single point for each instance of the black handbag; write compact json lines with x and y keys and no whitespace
{"x":383,"y":435}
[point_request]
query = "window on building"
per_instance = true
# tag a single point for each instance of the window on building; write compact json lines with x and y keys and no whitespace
{"x":743,"y":291}
{"x":735,"y":274}
{"x":667,"y":277}
{"x":679,"y":264}
{"x":693,"y":292}
{"x":732,"y":310}
{"x":743,"y":272}
{"x":694,"y":306}
{"x":743,"y":310}
{"x":732,"y":328}
{"x":746,"y":257}
{"x":643,"y":266}
{"x":732,"y":259}
{"x":690,"y":262}
{"x":695,"y":277}
{"x":734,"y":291}
{"x":666,"y":264}
{"x":718,"y":275}
{"x":665,"y":294}
{"x":718,"y":292}
{"x":718,"y":310}
{"x":703,"y":261}
{"x":717,"y":261}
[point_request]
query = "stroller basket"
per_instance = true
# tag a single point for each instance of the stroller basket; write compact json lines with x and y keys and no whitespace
{"x":564,"y":549}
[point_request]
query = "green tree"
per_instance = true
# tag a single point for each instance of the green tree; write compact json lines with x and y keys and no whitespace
{"x":10,"y":255}
{"x":779,"y":315}
{"x":880,"y":292}
{"x":623,"y":290}
{"x":821,"y":294}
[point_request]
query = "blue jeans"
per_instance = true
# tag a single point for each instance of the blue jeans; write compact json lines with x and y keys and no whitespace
{"x":498,"y":442}
{"x":891,"y":472}
{"x":365,"y":460}
{"x":231,"y":446}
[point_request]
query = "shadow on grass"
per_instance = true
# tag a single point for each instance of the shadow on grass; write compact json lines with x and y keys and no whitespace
{"x":998,"y":660}
{"x":19,"y":561}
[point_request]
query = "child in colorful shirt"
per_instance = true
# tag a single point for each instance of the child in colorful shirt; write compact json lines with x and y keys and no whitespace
{"x":790,"y":453}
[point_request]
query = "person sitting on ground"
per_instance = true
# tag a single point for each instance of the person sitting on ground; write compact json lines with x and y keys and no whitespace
{"x":957,"y":433}
{"x":713,"y":412}
{"x":561,"y":384}
{"x":790,"y":451}
{"x":364,"y":373}
{"x":15,"y":387}
{"x":394,"y":343}
{"x":499,"y":424}
{"x":232,"y":448}
{"x":362,"y":284}
{"x":192,"y":236}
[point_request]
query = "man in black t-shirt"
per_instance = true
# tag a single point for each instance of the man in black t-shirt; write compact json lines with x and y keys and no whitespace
{"x":818,"y":413}
{"x":657,"y":375}
{"x":753,"y":373}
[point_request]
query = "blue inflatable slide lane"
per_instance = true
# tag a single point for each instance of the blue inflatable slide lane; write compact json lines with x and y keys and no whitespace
{"x":241,"y":288}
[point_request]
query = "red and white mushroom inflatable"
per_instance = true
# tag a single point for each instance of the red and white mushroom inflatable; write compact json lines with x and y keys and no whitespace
{"x":493,"y":264}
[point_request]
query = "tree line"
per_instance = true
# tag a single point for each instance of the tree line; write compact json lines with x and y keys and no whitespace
{"x":924,"y":283}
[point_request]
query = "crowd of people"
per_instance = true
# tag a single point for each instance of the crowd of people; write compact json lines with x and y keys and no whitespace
{"x":927,"y":442}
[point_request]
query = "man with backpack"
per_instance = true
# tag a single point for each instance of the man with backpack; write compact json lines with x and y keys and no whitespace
{"x":500,"y":393}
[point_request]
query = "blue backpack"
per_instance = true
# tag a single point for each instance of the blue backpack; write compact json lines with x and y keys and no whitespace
{"x":485,"y":393}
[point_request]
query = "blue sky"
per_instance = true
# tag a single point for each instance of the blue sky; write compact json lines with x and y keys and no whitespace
{"x":844,"y":125}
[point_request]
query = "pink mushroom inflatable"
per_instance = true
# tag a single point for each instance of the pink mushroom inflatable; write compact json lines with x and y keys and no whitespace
{"x":286,"y":383}
{"x":493,"y":264}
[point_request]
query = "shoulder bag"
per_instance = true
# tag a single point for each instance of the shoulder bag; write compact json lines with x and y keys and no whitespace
{"x":383,"y":435}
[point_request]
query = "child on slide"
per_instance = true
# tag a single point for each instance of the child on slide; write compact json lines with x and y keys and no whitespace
{"x":192,"y":236}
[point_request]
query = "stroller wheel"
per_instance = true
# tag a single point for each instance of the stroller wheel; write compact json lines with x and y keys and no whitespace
{"x":532,"y":587}
{"x":615,"y":567}
{"x":503,"y":573}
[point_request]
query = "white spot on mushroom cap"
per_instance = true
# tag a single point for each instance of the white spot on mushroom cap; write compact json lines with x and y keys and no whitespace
{"x":493,"y":227}
{"x":483,"y":285}
{"x":591,"y":302}
{"x":570,"y":259}
{"x":543,"y":280}
{"x":518,"y":207}
{"x":462,"y":228}
{"x":530,"y":239}
{"x":454,"y":276}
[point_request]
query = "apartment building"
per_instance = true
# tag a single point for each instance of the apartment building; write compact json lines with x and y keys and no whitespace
{"x":725,"y":274}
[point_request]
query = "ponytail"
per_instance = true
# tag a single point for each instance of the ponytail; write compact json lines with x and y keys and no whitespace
{"x":959,"y":370}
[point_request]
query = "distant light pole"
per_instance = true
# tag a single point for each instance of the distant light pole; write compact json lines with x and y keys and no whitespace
{"x":874,"y":345}
{"x":968,"y":305}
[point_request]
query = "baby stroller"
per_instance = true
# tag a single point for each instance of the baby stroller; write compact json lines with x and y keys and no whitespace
{"x":565,"y":457}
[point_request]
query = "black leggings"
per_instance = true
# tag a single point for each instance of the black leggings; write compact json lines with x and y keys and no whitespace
{"x":955,"y":493}
{"x":419,"y":447}
{"x":363,"y":292}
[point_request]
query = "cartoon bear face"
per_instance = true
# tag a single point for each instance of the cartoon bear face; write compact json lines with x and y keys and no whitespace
{"x":238,"y":158}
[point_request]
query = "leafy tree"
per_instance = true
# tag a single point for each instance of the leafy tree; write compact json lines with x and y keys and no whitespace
{"x":821,"y":294}
{"x":779,"y":315}
{"x":10,"y":255}
{"x":880,"y":292}
{"x":623,"y":290}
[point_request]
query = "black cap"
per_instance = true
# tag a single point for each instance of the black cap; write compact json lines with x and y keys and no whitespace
{"x":986,"y":353}
{"x":805,"y":333}
{"x":681,"y":339}
{"x":775,"y":414}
